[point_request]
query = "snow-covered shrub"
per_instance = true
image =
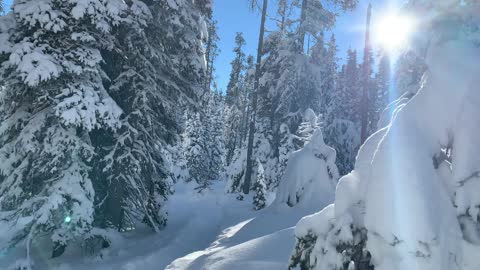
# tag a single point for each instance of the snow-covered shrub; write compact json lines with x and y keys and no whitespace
{"x":311,"y":174}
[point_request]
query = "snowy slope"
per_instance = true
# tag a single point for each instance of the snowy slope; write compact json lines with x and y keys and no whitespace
{"x":195,"y":222}
{"x":264,"y":242}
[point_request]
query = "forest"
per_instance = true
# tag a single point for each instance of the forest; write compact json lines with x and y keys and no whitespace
{"x":122,"y":148}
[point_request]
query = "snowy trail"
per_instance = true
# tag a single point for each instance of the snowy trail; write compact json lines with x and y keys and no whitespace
{"x":213,"y":231}
{"x":264,"y":242}
{"x":197,"y":221}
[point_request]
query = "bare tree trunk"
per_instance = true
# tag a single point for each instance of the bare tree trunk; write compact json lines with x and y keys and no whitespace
{"x":208,"y":75}
{"x":366,"y":79}
{"x":301,"y":37}
{"x":251,"y":132}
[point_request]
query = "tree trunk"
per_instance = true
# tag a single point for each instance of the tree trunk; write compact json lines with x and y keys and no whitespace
{"x":366,"y":79}
{"x":301,"y":36}
{"x":251,"y":132}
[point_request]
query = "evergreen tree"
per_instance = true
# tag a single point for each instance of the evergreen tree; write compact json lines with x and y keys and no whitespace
{"x":236,"y":101}
{"x":196,"y":150}
{"x":53,"y":99}
{"x":342,"y":128}
{"x":330,"y":75}
{"x":238,"y":68}
{"x":371,"y":101}
{"x":132,"y":159}
{"x":382,"y":87}
{"x":215,"y":139}
{"x":212,"y":52}
{"x":260,"y":188}
{"x":89,"y":112}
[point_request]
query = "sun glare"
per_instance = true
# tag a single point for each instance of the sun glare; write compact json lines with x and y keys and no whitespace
{"x":393,"y":31}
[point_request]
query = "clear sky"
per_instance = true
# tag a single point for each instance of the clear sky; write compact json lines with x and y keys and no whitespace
{"x":234,"y":16}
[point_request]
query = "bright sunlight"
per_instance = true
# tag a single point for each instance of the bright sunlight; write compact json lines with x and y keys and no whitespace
{"x":393,"y":31}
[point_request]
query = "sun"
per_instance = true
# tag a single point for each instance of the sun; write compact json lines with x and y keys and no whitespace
{"x":393,"y":31}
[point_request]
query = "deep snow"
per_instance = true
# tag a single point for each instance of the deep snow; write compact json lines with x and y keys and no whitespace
{"x":209,"y":230}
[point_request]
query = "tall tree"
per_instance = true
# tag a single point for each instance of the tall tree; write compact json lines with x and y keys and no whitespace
{"x":91,"y":104}
{"x":53,"y":98}
{"x":366,"y":82}
{"x":251,"y":131}
{"x":238,"y":68}
{"x":212,"y":52}
{"x":236,"y":100}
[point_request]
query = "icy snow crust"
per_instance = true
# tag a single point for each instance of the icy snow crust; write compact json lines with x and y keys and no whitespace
{"x":409,"y":207}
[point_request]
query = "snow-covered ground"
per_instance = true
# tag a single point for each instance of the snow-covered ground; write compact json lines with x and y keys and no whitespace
{"x":211,"y":230}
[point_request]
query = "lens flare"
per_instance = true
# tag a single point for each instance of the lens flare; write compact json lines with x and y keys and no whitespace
{"x":393,"y":31}
{"x":68,"y":219}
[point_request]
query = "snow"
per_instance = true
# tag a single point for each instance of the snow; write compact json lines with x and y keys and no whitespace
{"x":219,"y":233}
{"x":188,"y":230}
{"x":262,"y":242}
{"x":311,"y":174}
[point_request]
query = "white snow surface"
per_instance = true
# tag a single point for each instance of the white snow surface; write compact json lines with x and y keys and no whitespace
{"x":209,"y":230}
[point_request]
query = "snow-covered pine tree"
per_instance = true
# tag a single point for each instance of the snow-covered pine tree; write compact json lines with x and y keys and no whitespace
{"x":372,"y":230}
{"x":235,"y":100}
{"x":211,"y":53}
{"x":372,"y":101}
{"x":62,"y":73}
{"x":150,"y":86}
{"x":53,"y":98}
{"x":214,"y":124}
{"x":260,"y":188}
{"x":382,"y":86}
{"x":330,"y":75}
{"x":238,"y":68}
{"x":342,"y":127}
{"x":196,"y":150}
{"x":311,"y":174}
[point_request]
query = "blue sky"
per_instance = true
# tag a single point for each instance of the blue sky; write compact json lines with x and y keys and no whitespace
{"x":234,"y":16}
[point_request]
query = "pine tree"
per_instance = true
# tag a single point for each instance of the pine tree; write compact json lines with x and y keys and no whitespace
{"x":212,"y":52}
{"x":260,"y":188}
{"x":53,"y":99}
{"x":236,"y":100}
{"x":214,"y":131}
{"x":330,"y":75}
{"x":238,"y":68}
{"x":93,"y":99}
{"x":342,"y":129}
{"x":132,"y":159}
{"x":382,"y":87}
{"x":196,"y":150}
